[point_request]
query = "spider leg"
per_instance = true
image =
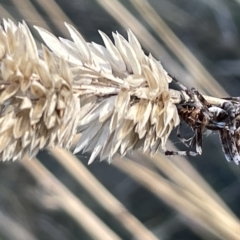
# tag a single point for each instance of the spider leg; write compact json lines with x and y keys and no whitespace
{"x":237,"y":99}
{"x":235,"y":102}
{"x":230,"y":109}
{"x":193,"y":94}
{"x":229,"y":146}
{"x":226,"y":145}
{"x":196,"y":140}
{"x":181,"y":153}
{"x":214,"y":125}
{"x":201,"y":98}
{"x":185,"y":141}
{"x":178,"y":83}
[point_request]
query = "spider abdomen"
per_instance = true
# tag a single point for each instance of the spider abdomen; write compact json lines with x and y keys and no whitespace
{"x":192,"y":116}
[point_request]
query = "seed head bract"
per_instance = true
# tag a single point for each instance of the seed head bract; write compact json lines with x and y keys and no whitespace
{"x":115,"y":96}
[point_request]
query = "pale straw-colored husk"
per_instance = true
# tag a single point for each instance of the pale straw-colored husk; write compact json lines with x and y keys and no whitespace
{"x":38,"y":107}
{"x":115,"y":96}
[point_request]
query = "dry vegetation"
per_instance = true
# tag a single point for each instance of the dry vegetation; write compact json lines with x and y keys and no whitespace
{"x":40,"y":96}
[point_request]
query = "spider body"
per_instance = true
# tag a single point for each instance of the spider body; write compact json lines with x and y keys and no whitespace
{"x":230,"y":137}
{"x":211,"y":118}
{"x":200,"y":116}
{"x":192,"y":115}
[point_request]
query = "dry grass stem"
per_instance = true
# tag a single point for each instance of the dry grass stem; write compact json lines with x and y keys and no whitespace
{"x":189,"y":178}
{"x":180,"y":177}
{"x":31,"y":13}
{"x":199,"y":73}
{"x":69,"y":203}
{"x":55,"y":13}
{"x":101,"y":195}
{"x":182,"y":200}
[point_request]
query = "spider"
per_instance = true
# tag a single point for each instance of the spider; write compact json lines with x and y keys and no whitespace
{"x":200,"y":115}
{"x":230,"y":139}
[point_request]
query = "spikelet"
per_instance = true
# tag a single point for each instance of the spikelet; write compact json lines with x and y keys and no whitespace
{"x":115,"y":96}
{"x":37,"y":104}
{"x":124,"y":94}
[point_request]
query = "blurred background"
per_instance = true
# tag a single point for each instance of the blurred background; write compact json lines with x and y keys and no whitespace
{"x":58,"y":196}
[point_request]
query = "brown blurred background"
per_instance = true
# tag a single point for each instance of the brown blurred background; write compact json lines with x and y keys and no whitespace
{"x":178,"y":199}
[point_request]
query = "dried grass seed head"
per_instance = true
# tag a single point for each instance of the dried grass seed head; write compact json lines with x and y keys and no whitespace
{"x":115,"y":96}
{"x":37,"y":104}
{"x":124,"y":94}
